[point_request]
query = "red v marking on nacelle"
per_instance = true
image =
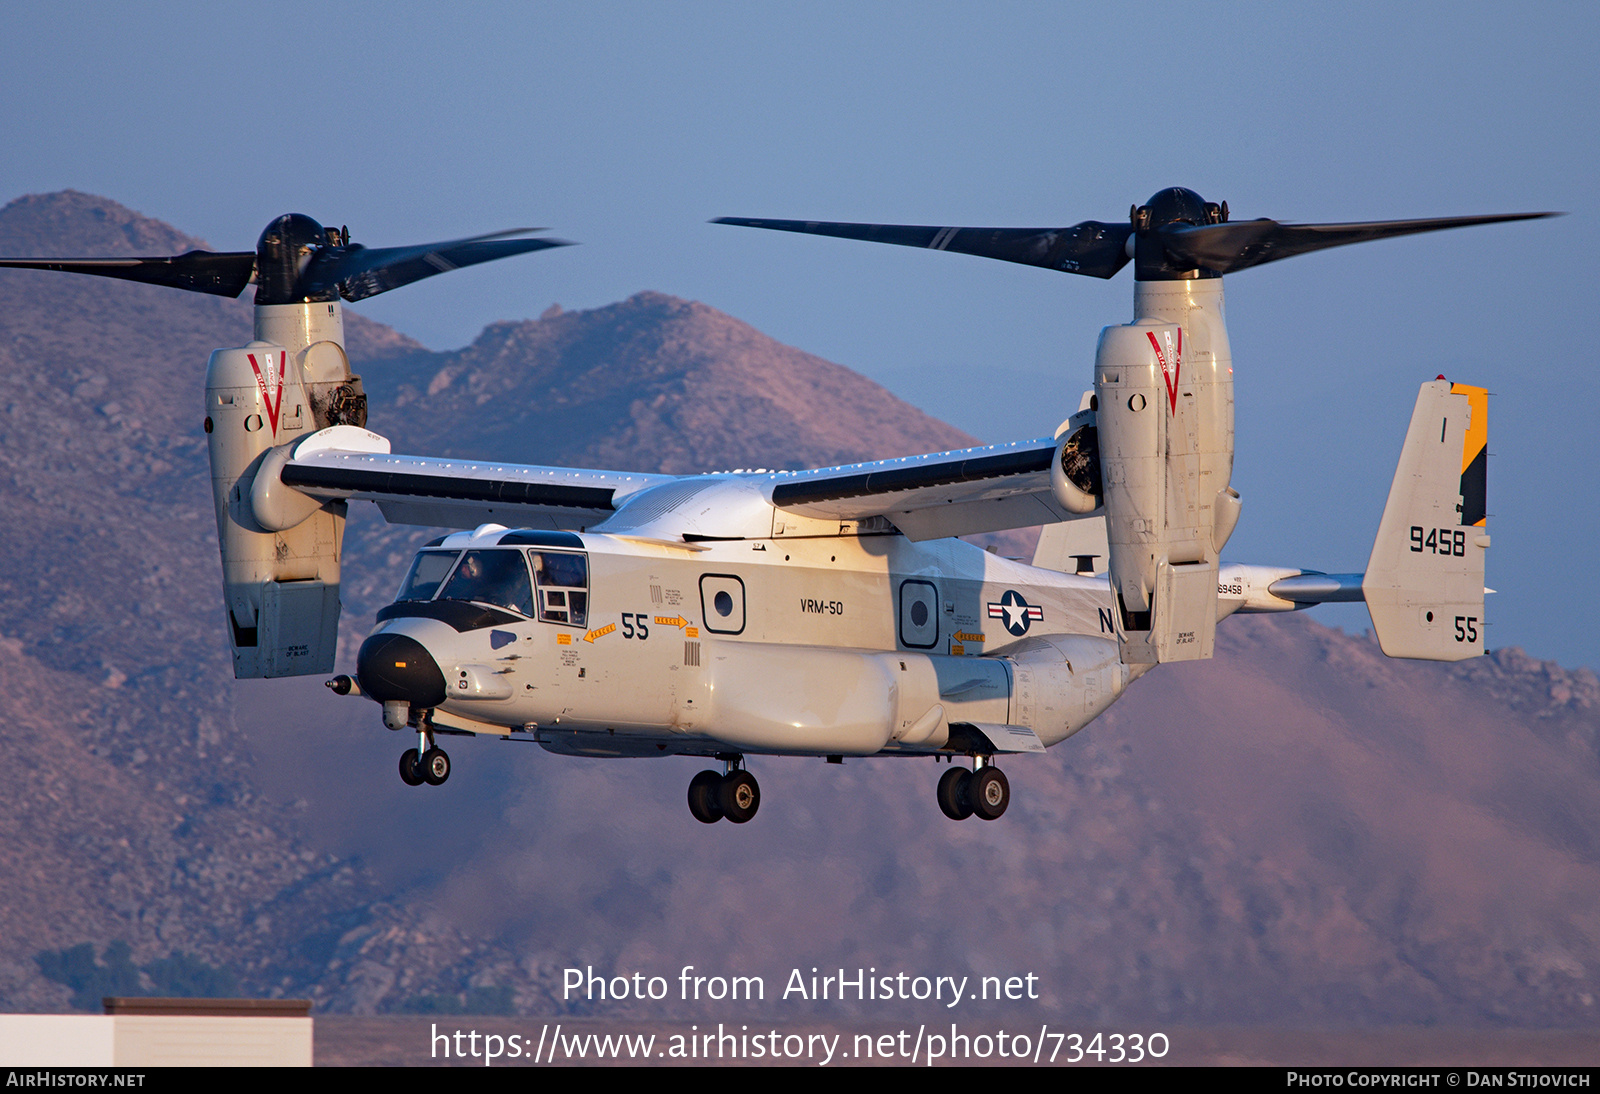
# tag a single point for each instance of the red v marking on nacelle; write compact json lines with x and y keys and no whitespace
{"x":1170,"y":378}
{"x":274,"y":408}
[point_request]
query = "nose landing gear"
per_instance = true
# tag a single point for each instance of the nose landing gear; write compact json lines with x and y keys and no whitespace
{"x":983,"y":791}
{"x":427,"y":763}
{"x":733,"y":794}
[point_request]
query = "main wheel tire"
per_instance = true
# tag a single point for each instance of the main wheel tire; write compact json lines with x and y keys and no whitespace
{"x":435,"y":766}
{"x":703,"y":797}
{"x":989,"y":793}
{"x":952,"y":793}
{"x":410,"y":768}
{"x":739,"y":796}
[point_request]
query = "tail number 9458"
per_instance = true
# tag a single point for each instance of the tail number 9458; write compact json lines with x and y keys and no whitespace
{"x":1439,"y":541}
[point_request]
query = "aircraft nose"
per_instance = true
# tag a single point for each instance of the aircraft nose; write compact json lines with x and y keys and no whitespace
{"x":393,"y":667}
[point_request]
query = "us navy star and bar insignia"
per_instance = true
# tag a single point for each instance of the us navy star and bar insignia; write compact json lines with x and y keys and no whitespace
{"x":1016,"y":613}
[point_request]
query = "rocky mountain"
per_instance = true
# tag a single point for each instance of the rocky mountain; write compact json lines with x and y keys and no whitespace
{"x":1300,"y":832}
{"x":673,"y":383}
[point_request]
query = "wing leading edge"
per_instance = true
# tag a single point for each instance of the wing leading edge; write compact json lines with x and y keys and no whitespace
{"x":970,"y":490}
{"x":348,"y":463}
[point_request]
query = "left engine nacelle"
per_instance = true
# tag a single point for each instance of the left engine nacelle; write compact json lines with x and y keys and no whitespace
{"x":280,"y":549}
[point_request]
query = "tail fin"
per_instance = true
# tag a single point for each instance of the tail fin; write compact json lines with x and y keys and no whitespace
{"x":1424,"y":581}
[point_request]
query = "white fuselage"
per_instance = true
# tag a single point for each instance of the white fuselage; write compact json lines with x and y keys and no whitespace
{"x":847,"y":645}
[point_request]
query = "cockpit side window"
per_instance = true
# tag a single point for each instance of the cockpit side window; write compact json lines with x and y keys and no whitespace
{"x":491,"y":577}
{"x":563,"y":581}
{"x":427,"y":571}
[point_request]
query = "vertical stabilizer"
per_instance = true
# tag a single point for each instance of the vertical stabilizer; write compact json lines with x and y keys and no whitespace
{"x":1424,"y":581}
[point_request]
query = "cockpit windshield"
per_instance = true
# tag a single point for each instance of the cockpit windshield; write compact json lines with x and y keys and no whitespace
{"x":429,"y":568}
{"x":491,"y":577}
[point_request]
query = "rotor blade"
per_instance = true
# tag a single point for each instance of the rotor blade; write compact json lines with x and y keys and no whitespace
{"x":1238,"y":245}
{"x":223,"y":273}
{"x":1092,"y":248}
{"x":359,"y":272}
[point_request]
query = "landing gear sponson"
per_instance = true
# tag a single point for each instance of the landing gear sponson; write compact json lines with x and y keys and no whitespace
{"x":732,"y":793}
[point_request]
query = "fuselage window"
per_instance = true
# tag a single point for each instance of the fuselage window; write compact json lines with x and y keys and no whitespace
{"x":491,"y":577}
{"x":427,"y":571}
{"x":563,"y":582}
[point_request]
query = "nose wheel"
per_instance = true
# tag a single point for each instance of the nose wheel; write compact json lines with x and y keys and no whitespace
{"x":427,"y":763}
{"x":733,"y":794}
{"x":984,"y":792}
{"x":435,"y":766}
{"x":411,"y":767}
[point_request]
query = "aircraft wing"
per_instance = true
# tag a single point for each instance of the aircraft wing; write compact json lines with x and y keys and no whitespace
{"x":959,"y":493}
{"x":349,"y":463}
{"x":956,"y":493}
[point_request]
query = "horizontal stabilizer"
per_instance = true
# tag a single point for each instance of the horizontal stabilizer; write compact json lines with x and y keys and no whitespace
{"x":1249,"y":589}
{"x":1312,"y":588}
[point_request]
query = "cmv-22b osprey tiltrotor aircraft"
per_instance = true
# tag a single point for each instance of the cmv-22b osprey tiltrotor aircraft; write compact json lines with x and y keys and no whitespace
{"x":821,"y":613}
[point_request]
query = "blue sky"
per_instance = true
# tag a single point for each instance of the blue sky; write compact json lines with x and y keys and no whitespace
{"x":626,"y":126}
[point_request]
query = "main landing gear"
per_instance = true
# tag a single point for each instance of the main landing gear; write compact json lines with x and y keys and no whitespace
{"x":983,"y":791}
{"x":427,"y":763}
{"x":733,"y":793}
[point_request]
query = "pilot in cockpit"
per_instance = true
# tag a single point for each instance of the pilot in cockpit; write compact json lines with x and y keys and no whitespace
{"x":491,"y":577}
